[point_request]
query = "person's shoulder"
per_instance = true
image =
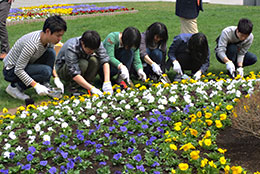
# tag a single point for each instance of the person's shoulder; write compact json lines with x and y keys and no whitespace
{"x":229,"y":28}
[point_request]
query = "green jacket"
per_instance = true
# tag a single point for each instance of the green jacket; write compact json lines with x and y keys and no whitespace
{"x":111,"y":43}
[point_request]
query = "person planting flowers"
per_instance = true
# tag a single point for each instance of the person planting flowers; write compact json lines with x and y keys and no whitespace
{"x":232,"y":47}
{"x":123,"y":50}
{"x":189,"y":52}
{"x":153,"y":49}
{"x":80,"y":59}
{"x":30,"y":62}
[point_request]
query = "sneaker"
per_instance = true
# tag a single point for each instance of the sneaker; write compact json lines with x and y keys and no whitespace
{"x":2,"y":56}
{"x":16,"y":93}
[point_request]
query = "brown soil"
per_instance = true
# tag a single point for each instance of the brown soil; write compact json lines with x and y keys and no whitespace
{"x":243,"y":149}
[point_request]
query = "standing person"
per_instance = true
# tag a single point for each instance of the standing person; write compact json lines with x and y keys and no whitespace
{"x":79,"y":60}
{"x":153,"y":49}
{"x":188,"y":11}
{"x":189,"y":52}
{"x":30,"y":62}
{"x":232,"y":47}
{"x":5,"y":6}
{"x":123,"y":50}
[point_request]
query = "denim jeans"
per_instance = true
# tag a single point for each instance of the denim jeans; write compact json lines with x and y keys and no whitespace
{"x":232,"y":50}
{"x":124,"y":56}
{"x":157,"y":56}
{"x":40,"y":71}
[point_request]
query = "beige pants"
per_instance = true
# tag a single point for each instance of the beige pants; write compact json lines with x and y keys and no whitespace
{"x":189,"y":25}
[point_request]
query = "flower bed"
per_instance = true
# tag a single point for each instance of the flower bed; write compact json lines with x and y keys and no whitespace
{"x":158,"y":128}
{"x":44,"y":11}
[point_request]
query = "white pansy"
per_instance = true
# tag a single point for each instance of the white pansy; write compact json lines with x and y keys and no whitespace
{"x":57,"y":112}
{"x":86,"y":122}
{"x":12,"y":135}
{"x":8,"y":127}
{"x":136,"y":100}
{"x":139,"y":104}
{"x":70,"y":112}
{"x":238,"y":93}
{"x":117,"y":118}
{"x":79,"y":113}
{"x":64,"y":125}
{"x":173,"y":99}
{"x":122,"y":102}
{"x":46,"y":138}
{"x":34,"y":115}
{"x":101,"y":121}
{"x":104,"y":115}
{"x":52,"y":118}
{"x":92,"y":117}
{"x":57,"y":122}
{"x":50,"y":129}
{"x":74,"y":118}
{"x":7,"y":146}
{"x":99,"y":104}
{"x":37,"y":128}
{"x":161,"y":107}
{"x":42,"y":122}
{"x":127,"y":106}
{"x":61,"y":119}
{"x":42,"y":132}
{"x":141,"y":108}
{"x":19,"y":148}
{"x":1,"y":133}
{"x":23,"y":115}
{"x":6,"y":154}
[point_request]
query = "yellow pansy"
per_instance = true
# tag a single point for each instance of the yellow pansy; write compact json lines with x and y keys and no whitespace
{"x":187,"y":146}
{"x":222,"y":150}
{"x":177,"y":128}
{"x":226,"y":169}
{"x":173,"y":171}
{"x":222,"y":160}
{"x":208,"y":115}
{"x":183,"y":166}
{"x":166,"y":133}
{"x":195,"y":154}
{"x":173,"y":147}
{"x":118,"y":90}
{"x":12,"y":117}
{"x":209,"y":122}
{"x":208,"y":134}
{"x":229,"y":107}
{"x":236,"y":169}
{"x":207,"y":142}
{"x":203,"y":162}
{"x":5,"y":110}
{"x":193,"y":132}
{"x":218,"y":124}
{"x":168,"y":140}
{"x":199,"y":114}
{"x":211,"y":163}
{"x":223,"y":116}
{"x":142,"y":88}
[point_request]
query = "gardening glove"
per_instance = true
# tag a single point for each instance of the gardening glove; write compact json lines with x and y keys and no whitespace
{"x":156,"y":69}
{"x":177,"y":67}
{"x":141,"y":74}
{"x":59,"y":84}
{"x":124,"y":73}
{"x":94,"y":90}
{"x":231,"y":68}
{"x":197,"y":75}
{"x":240,"y":71}
{"x":41,"y":89}
{"x":107,"y":87}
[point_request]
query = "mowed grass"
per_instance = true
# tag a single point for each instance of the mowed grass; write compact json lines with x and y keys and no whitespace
{"x":210,"y":22}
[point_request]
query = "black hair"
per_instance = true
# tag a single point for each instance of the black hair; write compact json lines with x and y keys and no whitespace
{"x":55,"y":24}
{"x":131,"y":37}
{"x":198,"y":47}
{"x":159,"y":29}
{"x":91,"y":39}
{"x":245,"y":26}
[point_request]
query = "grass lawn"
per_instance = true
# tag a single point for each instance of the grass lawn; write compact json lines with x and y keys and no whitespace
{"x":210,"y":22}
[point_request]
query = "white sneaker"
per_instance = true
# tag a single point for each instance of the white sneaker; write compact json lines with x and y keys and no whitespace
{"x":16,"y":93}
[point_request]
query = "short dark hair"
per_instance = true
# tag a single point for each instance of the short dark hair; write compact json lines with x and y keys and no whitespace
{"x":198,"y":47}
{"x":159,"y":29}
{"x":55,"y":24}
{"x":131,"y":37}
{"x":245,"y":26}
{"x":91,"y":39}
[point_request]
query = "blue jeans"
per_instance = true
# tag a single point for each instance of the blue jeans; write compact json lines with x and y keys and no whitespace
{"x":40,"y":71}
{"x":157,"y":56}
{"x":124,"y":56}
{"x":231,"y":52}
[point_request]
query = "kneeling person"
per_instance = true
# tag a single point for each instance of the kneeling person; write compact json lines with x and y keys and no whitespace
{"x":79,"y":60}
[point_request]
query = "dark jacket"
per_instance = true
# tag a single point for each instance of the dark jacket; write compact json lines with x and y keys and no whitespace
{"x":72,"y":51}
{"x":188,"y":9}
{"x":180,"y":46}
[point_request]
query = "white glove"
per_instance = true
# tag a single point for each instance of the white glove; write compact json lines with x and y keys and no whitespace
{"x":231,"y":68}
{"x":124,"y":72}
{"x":41,"y":89}
{"x":177,"y":67}
{"x":141,"y":74}
{"x":240,"y":71}
{"x":94,"y":90}
{"x":107,"y":87}
{"x":197,"y":75}
{"x":156,"y":69}
{"x":59,"y":84}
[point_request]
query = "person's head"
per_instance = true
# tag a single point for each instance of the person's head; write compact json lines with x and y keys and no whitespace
{"x":244,"y":28}
{"x":90,"y":41}
{"x":131,"y":38}
{"x":54,"y":27}
{"x":198,"y":47}
{"x":157,"y":32}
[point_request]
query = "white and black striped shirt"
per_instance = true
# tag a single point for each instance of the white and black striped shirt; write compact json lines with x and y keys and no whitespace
{"x":25,"y":51}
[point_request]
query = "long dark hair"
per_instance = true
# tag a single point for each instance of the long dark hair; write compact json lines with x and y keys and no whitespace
{"x":198,"y":47}
{"x":131,"y":37}
{"x":159,"y":29}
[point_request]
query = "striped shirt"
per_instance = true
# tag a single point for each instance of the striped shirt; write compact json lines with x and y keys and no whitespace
{"x":25,"y":51}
